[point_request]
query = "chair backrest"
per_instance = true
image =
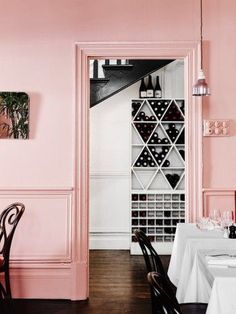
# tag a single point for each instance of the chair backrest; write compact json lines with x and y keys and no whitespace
{"x":152,"y":259}
{"x":9,"y":219}
{"x":163,"y":301}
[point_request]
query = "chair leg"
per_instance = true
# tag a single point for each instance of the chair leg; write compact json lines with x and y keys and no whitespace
{"x":7,"y":283}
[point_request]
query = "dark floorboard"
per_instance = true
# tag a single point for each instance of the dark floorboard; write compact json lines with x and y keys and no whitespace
{"x":117,"y":285}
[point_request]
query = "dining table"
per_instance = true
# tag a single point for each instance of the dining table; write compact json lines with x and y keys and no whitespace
{"x":203,"y":268}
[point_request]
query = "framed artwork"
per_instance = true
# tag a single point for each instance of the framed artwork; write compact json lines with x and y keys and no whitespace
{"x":14,"y":115}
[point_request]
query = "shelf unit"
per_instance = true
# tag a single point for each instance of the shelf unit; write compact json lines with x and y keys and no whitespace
{"x":157,"y":170}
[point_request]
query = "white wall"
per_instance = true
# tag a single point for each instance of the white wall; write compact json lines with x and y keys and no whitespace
{"x":110,"y":159}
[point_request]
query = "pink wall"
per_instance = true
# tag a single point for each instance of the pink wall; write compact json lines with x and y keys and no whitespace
{"x":37,"y":56}
{"x":220,"y":153}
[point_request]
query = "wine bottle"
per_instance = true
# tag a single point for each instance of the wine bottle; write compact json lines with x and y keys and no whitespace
{"x":156,"y":155}
{"x":134,"y":197}
{"x":142,"y":115}
{"x":142,"y":214}
{"x":165,"y":150}
{"x":143,"y":222}
{"x":134,"y":213}
{"x":157,"y":90}
{"x":142,"y":197}
{"x":150,"y":89}
{"x":152,"y":118}
{"x":166,"y":163}
{"x":164,"y":140}
{"x":134,"y":222}
{"x":142,"y":89}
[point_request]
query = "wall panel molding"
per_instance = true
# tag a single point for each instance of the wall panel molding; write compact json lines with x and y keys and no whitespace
{"x":43,"y":245}
{"x":35,"y":239}
{"x":218,"y":198}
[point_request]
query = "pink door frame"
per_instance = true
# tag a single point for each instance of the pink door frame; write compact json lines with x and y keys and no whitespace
{"x":190,"y":53}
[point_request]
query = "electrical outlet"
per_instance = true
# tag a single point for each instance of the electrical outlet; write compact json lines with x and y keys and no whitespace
{"x":216,"y":127}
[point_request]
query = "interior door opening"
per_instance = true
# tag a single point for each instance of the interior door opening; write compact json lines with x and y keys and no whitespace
{"x":123,"y":194}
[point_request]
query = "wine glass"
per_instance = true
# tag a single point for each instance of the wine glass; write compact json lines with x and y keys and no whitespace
{"x":215,"y":216}
{"x":227,"y":218}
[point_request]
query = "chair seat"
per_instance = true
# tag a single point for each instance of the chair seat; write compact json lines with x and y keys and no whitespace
{"x":193,"y":308}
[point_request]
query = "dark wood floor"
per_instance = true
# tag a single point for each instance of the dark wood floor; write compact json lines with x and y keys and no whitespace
{"x":117,"y":285}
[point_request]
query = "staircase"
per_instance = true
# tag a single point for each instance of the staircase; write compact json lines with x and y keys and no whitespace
{"x":116,"y":75}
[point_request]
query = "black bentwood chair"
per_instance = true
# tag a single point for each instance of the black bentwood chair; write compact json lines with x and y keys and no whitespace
{"x":165,"y":303}
{"x":9,"y":219}
{"x":153,"y":262}
{"x":152,"y":259}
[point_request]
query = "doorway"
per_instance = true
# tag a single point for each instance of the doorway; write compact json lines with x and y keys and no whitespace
{"x":86,"y":51}
{"x":111,"y":133}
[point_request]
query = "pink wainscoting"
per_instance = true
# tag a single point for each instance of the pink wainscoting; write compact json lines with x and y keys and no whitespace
{"x":38,"y":56}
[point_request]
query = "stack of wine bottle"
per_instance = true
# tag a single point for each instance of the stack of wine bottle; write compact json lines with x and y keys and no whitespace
{"x":146,"y":160}
{"x":145,"y":130}
{"x":159,"y":107}
{"x":172,"y":132}
{"x":135,"y":107}
{"x":182,"y":153}
{"x":148,"y":91}
{"x":155,"y":139}
{"x":173,"y":179}
{"x":181,"y":138}
{"x":141,"y":116}
{"x":160,"y":156}
{"x":173,"y":113}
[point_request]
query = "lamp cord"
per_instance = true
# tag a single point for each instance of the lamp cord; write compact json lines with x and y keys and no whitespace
{"x":201,"y":42}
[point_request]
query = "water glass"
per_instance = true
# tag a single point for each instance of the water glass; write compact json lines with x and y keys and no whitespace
{"x":215,"y":216}
{"x":227,"y":218}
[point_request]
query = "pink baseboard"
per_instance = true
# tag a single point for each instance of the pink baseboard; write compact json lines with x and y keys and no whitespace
{"x":49,"y":281}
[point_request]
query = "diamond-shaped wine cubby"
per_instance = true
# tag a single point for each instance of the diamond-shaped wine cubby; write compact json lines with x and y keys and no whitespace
{"x":173,"y":113}
{"x":158,"y":167}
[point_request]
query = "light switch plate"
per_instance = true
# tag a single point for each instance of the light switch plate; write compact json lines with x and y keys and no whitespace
{"x":216,"y":127}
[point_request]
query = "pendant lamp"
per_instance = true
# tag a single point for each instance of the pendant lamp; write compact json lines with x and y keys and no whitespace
{"x":201,"y":87}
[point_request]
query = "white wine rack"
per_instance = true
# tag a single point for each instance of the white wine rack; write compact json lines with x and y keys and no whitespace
{"x":158,"y":168}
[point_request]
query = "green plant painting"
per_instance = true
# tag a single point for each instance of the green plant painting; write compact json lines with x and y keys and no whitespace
{"x":14,"y":115}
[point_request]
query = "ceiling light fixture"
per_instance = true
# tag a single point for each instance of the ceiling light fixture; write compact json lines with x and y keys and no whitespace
{"x":201,"y":88}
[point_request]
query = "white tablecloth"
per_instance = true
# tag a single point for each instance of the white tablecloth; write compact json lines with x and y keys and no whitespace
{"x":222,"y":300}
{"x":183,"y":233}
{"x":196,"y":281}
